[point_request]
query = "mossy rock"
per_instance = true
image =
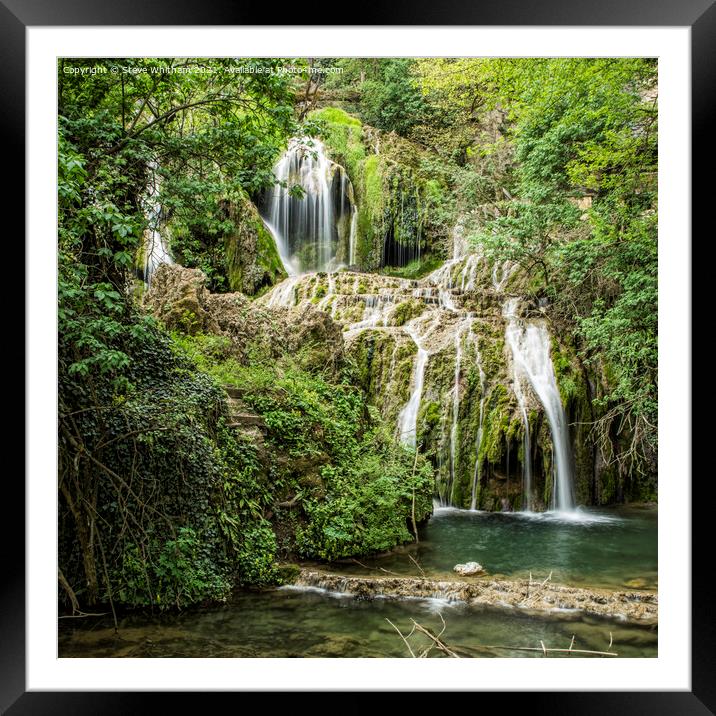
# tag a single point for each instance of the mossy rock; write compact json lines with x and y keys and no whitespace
{"x":405,"y":311}
{"x":252,"y":259}
{"x":397,"y":200}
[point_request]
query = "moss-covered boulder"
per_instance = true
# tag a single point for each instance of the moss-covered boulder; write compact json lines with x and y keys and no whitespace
{"x":252,"y":259}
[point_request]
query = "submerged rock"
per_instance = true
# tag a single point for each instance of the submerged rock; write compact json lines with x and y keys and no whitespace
{"x":637,"y":583}
{"x":468,"y":569}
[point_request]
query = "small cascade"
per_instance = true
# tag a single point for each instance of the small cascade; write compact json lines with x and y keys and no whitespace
{"x":323,"y":303}
{"x":469,"y":272}
{"x":472,"y":337}
{"x":506,"y":270}
{"x":283,"y":295}
{"x":307,"y":229}
{"x":531,"y":346}
{"x":375,"y":312}
{"x":442,"y":280}
{"x":155,"y":248}
{"x":461,"y":328}
{"x":512,"y":333}
{"x":408,"y":418}
{"x":352,"y":237}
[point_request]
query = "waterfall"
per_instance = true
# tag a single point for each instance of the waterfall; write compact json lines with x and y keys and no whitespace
{"x":469,"y":272}
{"x":467,"y":321}
{"x":443,"y":279}
{"x":478,"y":440}
{"x":352,"y":236}
{"x":323,"y":303}
{"x":282,"y":295}
{"x":289,"y":266}
{"x":512,"y":334}
{"x":506,"y":270}
{"x":530,"y":345}
{"x":306,"y":228}
{"x":376,"y":308}
{"x":408,"y":417}
{"x":155,"y":248}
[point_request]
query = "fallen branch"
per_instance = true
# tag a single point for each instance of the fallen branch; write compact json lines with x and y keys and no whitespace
{"x":546,"y":650}
{"x":436,"y":639}
{"x":375,"y":569}
{"x":415,"y":562}
{"x":436,"y":642}
{"x":82,"y":615}
{"x":404,"y":638}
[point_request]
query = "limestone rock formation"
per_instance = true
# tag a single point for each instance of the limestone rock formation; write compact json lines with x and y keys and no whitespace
{"x":468,"y":569}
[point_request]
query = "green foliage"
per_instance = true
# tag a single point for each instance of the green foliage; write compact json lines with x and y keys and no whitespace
{"x":193,"y":130}
{"x":180,"y":574}
{"x":415,"y":269}
{"x":391,"y":99}
{"x":369,"y":503}
{"x":343,"y":135}
{"x":257,"y":555}
{"x":357,"y":490}
{"x":570,"y":147}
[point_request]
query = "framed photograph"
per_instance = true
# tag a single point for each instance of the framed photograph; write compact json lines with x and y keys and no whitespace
{"x":338,"y":358}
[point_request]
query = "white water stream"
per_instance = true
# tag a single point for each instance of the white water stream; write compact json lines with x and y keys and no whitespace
{"x":530,"y":344}
{"x":302,"y":213}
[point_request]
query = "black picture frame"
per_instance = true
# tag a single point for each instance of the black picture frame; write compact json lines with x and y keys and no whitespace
{"x":699,"y":15}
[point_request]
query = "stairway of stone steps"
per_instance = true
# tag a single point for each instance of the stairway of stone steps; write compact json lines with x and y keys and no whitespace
{"x":238,"y":414}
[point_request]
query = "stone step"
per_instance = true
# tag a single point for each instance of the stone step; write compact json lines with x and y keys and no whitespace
{"x":233,"y":392}
{"x":240,"y":420}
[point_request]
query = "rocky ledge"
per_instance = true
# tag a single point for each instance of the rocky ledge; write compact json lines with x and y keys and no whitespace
{"x":544,"y":597}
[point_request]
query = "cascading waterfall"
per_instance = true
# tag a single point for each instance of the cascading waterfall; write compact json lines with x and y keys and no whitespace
{"x":506,"y":269}
{"x":448,"y":300}
{"x":408,"y":418}
{"x":512,"y":332}
{"x":374,"y":313}
{"x":283,"y":295}
{"x":347,"y":197}
{"x":306,"y":228}
{"x":155,"y":248}
{"x":530,"y":345}
{"x":352,"y":236}
{"x":443,"y":279}
{"x":323,"y":303}
{"x":462,"y":326}
{"x":478,"y":440}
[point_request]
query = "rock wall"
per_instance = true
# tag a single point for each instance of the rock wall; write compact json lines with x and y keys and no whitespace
{"x":400,"y":203}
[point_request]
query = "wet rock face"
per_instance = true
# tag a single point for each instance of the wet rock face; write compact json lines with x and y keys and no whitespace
{"x":252,"y":259}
